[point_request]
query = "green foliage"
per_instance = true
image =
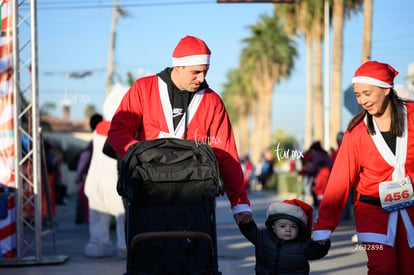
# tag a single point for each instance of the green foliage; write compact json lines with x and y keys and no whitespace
{"x":238,"y":94}
{"x":269,"y":50}
{"x":285,"y":183}
{"x":45,"y":125}
{"x":47,"y":107}
{"x":130,"y":79}
{"x":285,"y":145}
{"x":285,"y":140}
{"x":89,"y":110}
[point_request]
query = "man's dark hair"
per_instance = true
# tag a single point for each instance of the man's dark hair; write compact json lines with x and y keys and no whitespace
{"x":94,"y":120}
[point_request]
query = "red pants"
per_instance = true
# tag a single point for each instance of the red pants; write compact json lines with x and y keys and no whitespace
{"x":398,"y":260}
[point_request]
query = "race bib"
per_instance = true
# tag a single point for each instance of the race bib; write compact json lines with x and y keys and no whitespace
{"x":396,"y":195}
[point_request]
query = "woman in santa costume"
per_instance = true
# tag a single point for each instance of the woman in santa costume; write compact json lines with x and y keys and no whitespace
{"x":377,"y":157}
{"x":177,"y":102}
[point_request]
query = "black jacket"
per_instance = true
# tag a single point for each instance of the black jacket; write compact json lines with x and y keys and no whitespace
{"x":276,"y":257}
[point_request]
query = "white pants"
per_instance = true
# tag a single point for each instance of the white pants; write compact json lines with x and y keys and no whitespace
{"x":100,"y":244}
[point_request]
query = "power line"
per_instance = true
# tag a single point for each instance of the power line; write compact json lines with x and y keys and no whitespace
{"x":85,"y":5}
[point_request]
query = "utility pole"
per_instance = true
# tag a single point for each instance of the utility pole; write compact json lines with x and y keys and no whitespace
{"x":111,"y":65}
{"x":326,"y":90}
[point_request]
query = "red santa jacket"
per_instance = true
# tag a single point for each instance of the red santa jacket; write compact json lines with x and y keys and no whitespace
{"x":145,"y":113}
{"x":366,"y":161}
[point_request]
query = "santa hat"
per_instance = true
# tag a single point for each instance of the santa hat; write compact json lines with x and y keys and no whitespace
{"x":375,"y":73}
{"x":295,"y":210}
{"x":191,"y":51}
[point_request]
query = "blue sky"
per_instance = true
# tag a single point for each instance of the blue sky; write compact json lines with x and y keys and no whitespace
{"x":77,"y":40}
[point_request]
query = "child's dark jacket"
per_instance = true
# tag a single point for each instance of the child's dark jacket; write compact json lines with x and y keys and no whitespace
{"x":276,"y":257}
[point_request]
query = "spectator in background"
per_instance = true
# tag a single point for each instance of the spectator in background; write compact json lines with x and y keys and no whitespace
{"x":248,"y":170}
{"x":318,"y":158}
{"x":321,"y":180}
{"x":267,"y":163}
{"x":304,"y":180}
{"x":339,"y":138}
{"x":82,"y":208}
{"x":54,"y":168}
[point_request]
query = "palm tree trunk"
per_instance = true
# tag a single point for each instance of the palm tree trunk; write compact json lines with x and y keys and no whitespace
{"x":308,"y":137}
{"x":256,"y":149}
{"x":241,"y":133}
{"x":317,"y":84}
{"x":337,"y":56}
{"x":261,"y":134}
{"x":367,"y":31}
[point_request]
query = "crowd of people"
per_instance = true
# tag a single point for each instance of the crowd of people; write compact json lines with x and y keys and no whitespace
{"x":369,"y":171}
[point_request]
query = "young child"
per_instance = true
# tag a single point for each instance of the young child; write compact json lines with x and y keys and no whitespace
{"x":284,"y":246}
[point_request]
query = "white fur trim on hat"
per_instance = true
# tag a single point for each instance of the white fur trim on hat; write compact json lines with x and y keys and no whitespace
{"x":191,"y":60}
{"x":370,"y":81}
{"x":287,"y":209}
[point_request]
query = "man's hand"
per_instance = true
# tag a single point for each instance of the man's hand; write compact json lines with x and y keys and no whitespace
{"x":243,"y":217}
{"x":322,"y":242}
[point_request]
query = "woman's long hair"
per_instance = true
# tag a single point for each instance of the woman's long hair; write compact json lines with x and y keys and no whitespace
{"x":397,"y":117}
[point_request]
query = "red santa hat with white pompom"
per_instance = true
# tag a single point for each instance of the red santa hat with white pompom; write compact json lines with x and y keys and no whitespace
{"x":294,"y":209}
{"x":375,"y":73}
{"x":191,"y":51}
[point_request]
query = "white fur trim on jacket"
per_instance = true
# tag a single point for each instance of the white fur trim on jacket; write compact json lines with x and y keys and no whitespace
{"x":319,"y":235}
{"x":241,"y":208}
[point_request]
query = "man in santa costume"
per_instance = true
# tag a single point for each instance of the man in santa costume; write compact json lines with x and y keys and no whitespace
{"x":100,"y":188}
{"x":377,"y":157}
{"x":177,"y":102}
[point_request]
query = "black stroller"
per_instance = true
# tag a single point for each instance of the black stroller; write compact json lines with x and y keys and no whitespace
{"x":170,"y":186}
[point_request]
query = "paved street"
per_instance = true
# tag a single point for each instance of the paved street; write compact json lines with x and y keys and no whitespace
{"x":236,"y":255}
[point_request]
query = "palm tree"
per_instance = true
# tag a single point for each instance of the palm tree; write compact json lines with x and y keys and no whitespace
{"x":337,"y":53}
{"x":47,"y":107}
{"x":341,"y":8}
{"x":317,"y":33}
{"x":300,"y":18}
{"x":90,"y":109}
{"x":304,"y":17}
{"x":269,"y":55}
{"x":367,"y":32}
{"x":239,"y":99}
